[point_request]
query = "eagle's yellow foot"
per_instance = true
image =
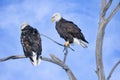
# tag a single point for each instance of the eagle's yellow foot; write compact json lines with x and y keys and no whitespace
{"x":66,"y":44}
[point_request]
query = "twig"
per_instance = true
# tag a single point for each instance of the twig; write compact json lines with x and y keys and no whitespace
{"x":112,"y":70}
{"x":52,"y":40}
{"x":107,"y":7}
{"x":65,"y":54}
{"x":54,"y":60}
{"x":103,"y":4}
{"x":55,"y":41}
{"x":113,"y":12}
{"x":12,"y":57}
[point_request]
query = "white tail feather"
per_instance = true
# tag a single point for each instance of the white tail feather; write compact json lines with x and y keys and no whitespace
{"x":80,"y":42}
{"x":39,"y":61}
{"x":35,"y":61}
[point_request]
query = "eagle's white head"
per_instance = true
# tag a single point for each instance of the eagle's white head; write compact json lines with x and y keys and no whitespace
{"x":23,"y":26}
{"x":56,"y":17}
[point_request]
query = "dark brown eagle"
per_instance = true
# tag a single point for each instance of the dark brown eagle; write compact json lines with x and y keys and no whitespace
{"x":69,"y":31}
{"x":31,"y":43}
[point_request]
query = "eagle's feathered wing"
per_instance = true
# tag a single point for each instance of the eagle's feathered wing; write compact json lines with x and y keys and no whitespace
{"x":31,"y":42}
{"x":70,"y":32}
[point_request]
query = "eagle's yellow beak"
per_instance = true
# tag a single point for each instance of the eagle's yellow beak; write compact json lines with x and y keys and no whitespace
{"x":53,"y":19}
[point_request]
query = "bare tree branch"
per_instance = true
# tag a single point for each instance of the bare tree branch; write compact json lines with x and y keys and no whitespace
{"x":56,"y":42}
{"x":53,"y":59}
{"x":12,"y":57}
{"x":65,"y":54}
{"x":64,"y":66}
{"x":100,"y":36}
{"x":102,"y":8}
{"x":99,"y":43}
{"x":107,"y":7}
{"x":113,"y":12}
{"x":103,"y":4}
{"x":112,"y":70}
{"x":99,"y":62}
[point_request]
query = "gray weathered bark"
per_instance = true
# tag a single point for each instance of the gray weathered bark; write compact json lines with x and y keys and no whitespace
{"x":53,"y":59}
{"x":100,"y":35}
{"x":112,"y":70}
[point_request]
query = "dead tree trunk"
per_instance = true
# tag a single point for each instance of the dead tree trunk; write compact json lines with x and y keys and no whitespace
{"x":100,"y":35}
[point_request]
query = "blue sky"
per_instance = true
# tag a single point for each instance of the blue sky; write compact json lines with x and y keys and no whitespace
{"x":38,"y":14}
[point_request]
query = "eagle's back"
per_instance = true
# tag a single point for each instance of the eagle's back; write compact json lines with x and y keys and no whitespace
{"x":31,"y":41}
{"x":68,"y":30}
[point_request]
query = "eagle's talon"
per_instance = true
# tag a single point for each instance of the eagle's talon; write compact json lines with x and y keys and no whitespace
{"x":66,"y":44}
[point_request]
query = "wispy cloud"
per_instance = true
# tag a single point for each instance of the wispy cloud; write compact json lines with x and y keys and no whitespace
{"x":38,"y":14}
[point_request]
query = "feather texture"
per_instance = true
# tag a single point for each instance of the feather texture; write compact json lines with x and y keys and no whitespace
{"x":31,"y":43}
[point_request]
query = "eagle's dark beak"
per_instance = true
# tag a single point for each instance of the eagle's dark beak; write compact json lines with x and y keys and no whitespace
{"x":53,"y":19}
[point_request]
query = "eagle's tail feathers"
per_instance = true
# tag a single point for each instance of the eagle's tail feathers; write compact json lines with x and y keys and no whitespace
{"x":34,"y":60}
{"x":83,"y":44}
{"x":80,"y":42}
{"x":38,"y":61}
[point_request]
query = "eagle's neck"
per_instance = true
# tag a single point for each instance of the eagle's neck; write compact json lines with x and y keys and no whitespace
{"x":62,"y":20}
{"x":58,"y":18}
{"x":58,"y":24}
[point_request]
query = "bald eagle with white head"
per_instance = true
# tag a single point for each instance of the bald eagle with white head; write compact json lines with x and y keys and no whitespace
{"x":69,"y":31}
{"x":31,"y":43}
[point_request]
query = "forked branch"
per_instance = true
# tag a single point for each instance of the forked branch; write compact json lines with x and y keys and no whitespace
{"x":107,"y":7}
{"x":53,"y":59}
{"x":100,"y":36}
{"x":113,"y":12}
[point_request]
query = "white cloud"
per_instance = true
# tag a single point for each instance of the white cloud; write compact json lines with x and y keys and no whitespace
{"x":38,"y":13}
